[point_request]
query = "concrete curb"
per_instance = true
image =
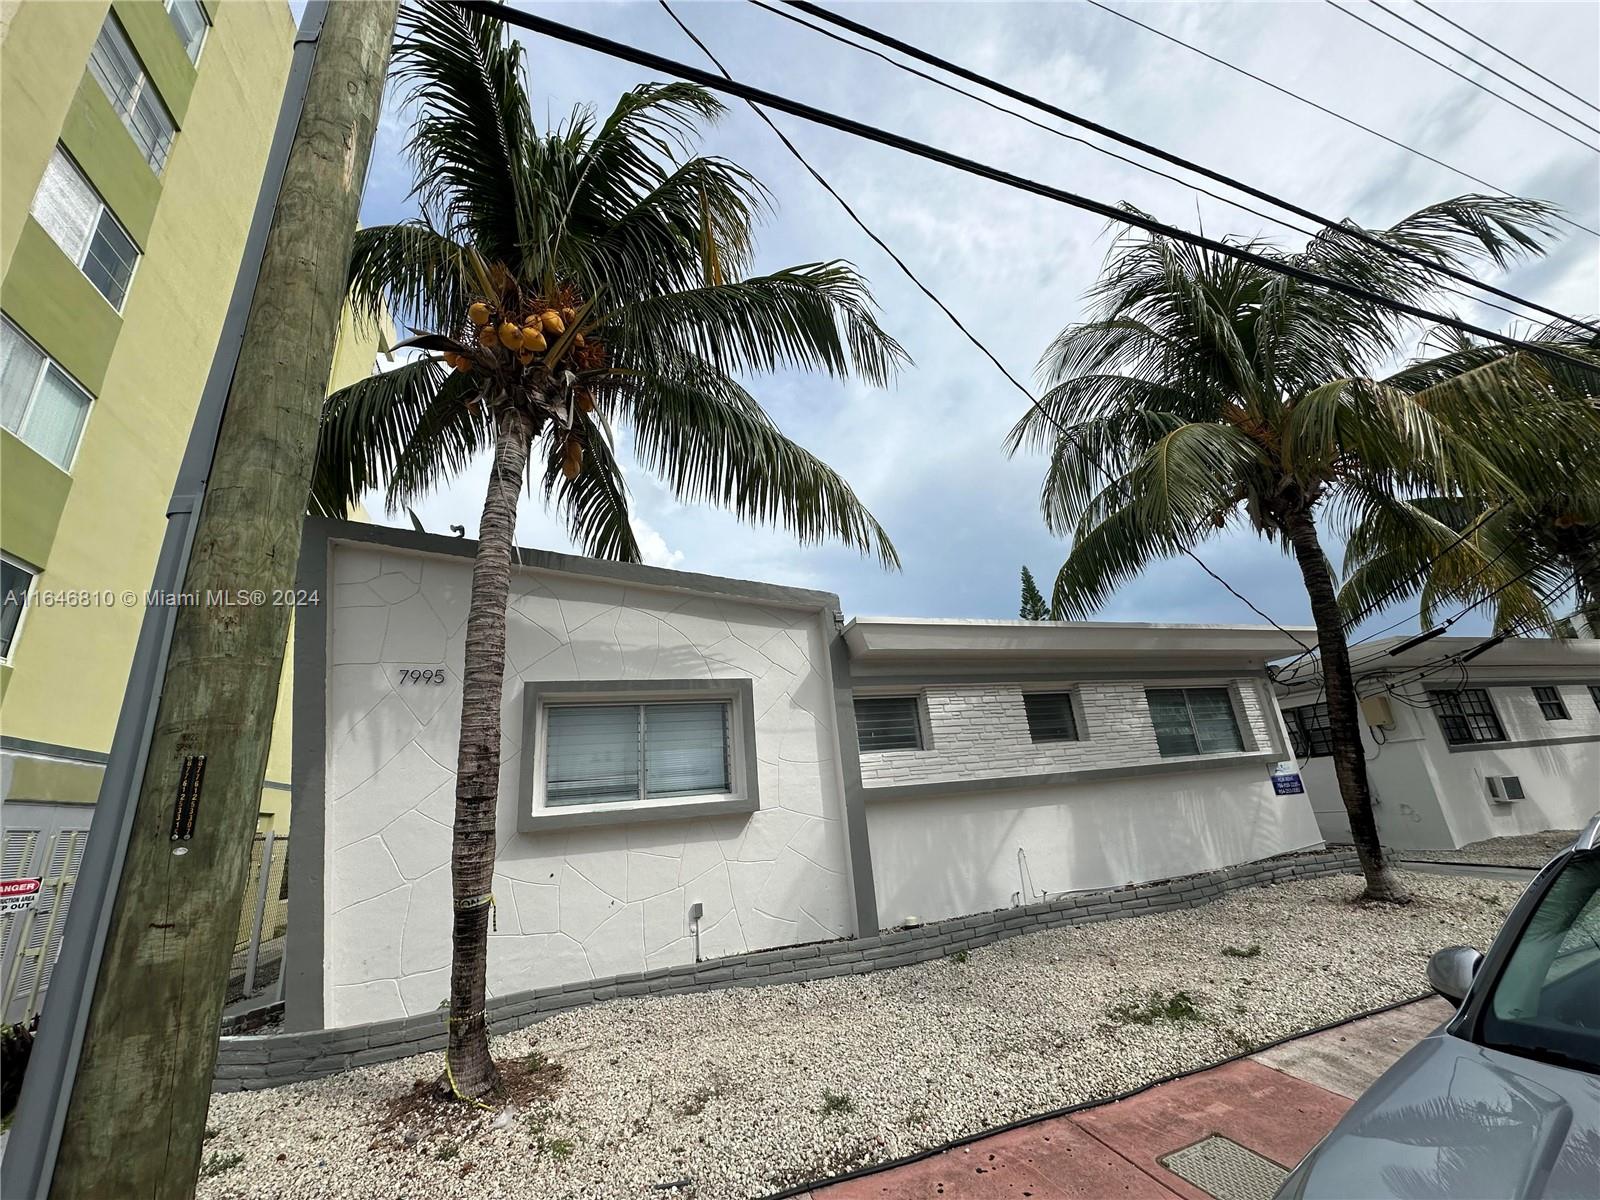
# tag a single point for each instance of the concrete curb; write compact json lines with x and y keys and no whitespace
{"x":247,"y":1063}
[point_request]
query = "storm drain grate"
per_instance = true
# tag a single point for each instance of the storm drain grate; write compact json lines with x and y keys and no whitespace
{"x":1226,"y":1170}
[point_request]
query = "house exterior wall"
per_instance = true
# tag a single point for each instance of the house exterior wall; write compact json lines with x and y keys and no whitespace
{"x":571,"y":904}
{"x":980,"y":731}
{"x":1429,"y":794}
{"x":950,"y":855}
{"x":1105,"y":810}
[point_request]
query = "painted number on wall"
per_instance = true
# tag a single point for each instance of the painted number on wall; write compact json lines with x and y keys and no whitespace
{"x":431,"y":675}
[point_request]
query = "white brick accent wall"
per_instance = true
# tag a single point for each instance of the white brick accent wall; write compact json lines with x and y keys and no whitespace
{"x":980,"y":731}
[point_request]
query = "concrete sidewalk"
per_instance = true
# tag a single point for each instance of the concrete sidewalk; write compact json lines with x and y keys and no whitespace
{"x":1230,"y":1133}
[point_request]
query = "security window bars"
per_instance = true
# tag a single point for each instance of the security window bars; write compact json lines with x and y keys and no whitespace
{"x":16,"y":580}
{"x":1194,"y":721}
{"x":1467,"y":716}
{"x":1551,"y":704}
{"x":189,"y":19}
{"x":39,"y":402}
{"x":75,"y":217}
{"x":1309,"y":732}
{"x":1050,"y":716}
{"x":122,"y":77}
{"x":628,"y":753}
{"x":888,"y":723}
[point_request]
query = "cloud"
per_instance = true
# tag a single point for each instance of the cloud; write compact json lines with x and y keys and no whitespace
{"x":652,"y":546}
{"x":925,"y":454}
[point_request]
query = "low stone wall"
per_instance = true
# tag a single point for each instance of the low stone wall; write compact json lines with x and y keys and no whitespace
{"x":275,"y":1059}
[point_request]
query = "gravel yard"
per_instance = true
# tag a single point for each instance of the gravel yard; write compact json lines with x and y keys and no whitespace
{"x":1518,"y":850}
{"x":740,"y":1093}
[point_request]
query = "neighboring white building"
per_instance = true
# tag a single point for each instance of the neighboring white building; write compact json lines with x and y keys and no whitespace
{"x":1004,"y":761}
{"x":697,"y":788}
{"x":1508,"y":743}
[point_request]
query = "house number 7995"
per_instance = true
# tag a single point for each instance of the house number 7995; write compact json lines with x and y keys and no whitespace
{"x":432,"y":675}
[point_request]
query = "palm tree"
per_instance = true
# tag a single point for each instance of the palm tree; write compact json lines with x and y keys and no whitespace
{"x":1515,"y":553}
{"x":564,"y":282}
{"x":1207,"y":390}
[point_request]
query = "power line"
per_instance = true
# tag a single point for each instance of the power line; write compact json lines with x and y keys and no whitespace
{"x":1098,"y":149}
{"x":1483,"y":66}
{"x":954,"y":320}
{"x":1507,"y":55}
{"x":1400,"y":589}
{"x":1482,"y":87}
{"x":872,"y":133}
{"x":1339,"y":227}
{"x":1338,"y":116}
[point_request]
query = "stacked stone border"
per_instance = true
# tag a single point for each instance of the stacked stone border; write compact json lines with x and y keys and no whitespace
{"x":246,"y":1063}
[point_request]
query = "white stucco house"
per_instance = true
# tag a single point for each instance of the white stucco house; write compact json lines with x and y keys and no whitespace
{"x":1506,"y":743}
{"x":698,"y":767}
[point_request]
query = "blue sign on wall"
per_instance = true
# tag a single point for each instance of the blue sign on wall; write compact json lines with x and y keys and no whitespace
{"x":1286,"y":779}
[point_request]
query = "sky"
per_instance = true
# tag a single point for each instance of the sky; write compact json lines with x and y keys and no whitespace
{"x":926,"y":453}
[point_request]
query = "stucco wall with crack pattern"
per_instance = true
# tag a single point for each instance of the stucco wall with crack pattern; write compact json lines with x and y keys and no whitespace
{"x":576,"y":904}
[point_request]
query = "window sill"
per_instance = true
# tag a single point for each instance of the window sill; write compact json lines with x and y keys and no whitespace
{"x":544,"y":820}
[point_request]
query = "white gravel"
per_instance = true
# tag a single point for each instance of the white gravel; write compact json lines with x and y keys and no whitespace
{"x":730,"y":1090}
{"x":1514,"y":850}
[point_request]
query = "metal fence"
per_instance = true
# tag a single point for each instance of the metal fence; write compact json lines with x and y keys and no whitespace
{"x":257,"y":968}
{"x":43,"y":842}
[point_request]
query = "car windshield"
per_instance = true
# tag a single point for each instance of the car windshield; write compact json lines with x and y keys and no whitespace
{"x":1543,"y":1004}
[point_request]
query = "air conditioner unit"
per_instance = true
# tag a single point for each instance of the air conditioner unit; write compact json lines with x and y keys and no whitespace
{"x":1377,"y":711}
{"x":1505,"y":789}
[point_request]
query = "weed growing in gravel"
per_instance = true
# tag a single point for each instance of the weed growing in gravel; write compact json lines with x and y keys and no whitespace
{"x":960,"y":956}
{"x":211,"y":1132}
{"x":559,"y":1148}
{"x":1253,"y":950}
{"x":1179,"y":1006}
{"x":447,"y":1151}
{"x":215,"y":1164}
{"x":695,"y":1102}
{"x":836,"y":1102}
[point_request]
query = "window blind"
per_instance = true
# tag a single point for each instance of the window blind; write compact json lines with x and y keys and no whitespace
{"x":39,"y":402}
{"x":1193,"y":721}
{"x":72,"y":213}
{"x":685,"y":749}
{"x":1050,"y":716}
{"x":888,"y":723}
{"x":592,"y":754}
{"x":620,"y":753}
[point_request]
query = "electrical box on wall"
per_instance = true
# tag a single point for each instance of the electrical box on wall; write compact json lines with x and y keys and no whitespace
{"x":1377,"y":712}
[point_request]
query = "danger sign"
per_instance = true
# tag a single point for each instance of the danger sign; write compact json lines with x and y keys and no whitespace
{"x":18,"y":895}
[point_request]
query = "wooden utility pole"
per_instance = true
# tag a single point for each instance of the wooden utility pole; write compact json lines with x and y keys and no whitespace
{"x":134,"y":1121}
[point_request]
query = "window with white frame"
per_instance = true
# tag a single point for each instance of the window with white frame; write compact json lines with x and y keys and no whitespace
{"x":1194,"y":721}
{"x":189,"y":19}
{"x":69,"y":209}
{"x":1551,"y":705}
{"x":888,"y":723}
{"x":629,"y":753}
{"x":122,"y":77}
{"x":39,"y":402}
{"x":1050,"y":716}
{"x":16,"y":580}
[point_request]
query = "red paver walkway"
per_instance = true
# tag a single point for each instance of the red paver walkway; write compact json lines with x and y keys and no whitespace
{"x":1113,"y":1151}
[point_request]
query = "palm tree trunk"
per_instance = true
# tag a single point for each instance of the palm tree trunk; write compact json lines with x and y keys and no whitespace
{"x":1349,"y":759}
{"x":470,"y":1072}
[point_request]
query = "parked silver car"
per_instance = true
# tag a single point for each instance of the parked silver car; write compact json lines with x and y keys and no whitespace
{"x":1503,"y":1100}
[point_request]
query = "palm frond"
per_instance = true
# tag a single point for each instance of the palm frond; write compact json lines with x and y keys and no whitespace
{"x":710,"y":441}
